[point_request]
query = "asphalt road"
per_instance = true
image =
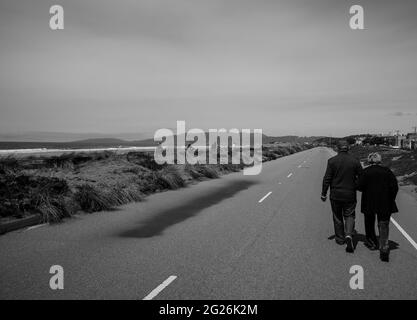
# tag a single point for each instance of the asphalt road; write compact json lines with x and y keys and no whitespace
{"x":213,"y":240}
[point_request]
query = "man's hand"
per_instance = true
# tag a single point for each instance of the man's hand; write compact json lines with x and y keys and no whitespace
{"x":323,"y":198}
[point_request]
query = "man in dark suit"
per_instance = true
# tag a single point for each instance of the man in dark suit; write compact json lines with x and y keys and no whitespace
{"x":341,"y":177}
{"x":379,"y":188}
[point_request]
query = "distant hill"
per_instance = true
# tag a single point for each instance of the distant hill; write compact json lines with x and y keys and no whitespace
{"x":80,"y":144}
{"x":110,"y":142}
{"x":291,"y":139}
{"x":40,"y":136}
{"x":99,"y":141}
{"x":335,"y":140}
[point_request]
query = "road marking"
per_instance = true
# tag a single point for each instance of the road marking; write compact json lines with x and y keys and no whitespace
{"x":35,"y":227}
{"x":159,"y":288}
{"x":289,"y":175}
{"x":405,"y":234}
{"x":266,"y":196}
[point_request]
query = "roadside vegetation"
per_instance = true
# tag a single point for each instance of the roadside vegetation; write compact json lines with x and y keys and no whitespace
{"x":59,"y":186}
{"x":402,"y":162}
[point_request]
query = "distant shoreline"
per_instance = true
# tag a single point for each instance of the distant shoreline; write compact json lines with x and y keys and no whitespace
{"x":35,"y":151}
{"x":59,"y":151}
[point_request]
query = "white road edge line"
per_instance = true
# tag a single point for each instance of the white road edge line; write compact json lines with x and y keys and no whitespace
{"x":159,"y":288}
{"x":289,"y":175}
{"x":266,"y":196}
{"x":35,"y":227}
{"x":405,"y":234}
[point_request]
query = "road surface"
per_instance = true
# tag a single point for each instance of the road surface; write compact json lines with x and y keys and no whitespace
{"x":238,"y":237}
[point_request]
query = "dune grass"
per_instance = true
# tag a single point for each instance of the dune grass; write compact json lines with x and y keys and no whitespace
{"x":402,"y":162}
{"x":57,"y":187}
{"x":169,"y":178}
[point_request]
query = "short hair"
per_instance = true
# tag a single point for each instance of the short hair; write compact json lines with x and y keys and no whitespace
{"x":374,"y":158}
{"x":343,"y":145}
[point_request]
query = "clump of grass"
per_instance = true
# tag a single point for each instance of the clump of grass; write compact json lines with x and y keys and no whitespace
{"x":54,"y":210}
{"x":120,"y":195}
{"x":7,"y":164}
{"x":52,"y":200}
{"x":208,"y":171}
{"x":70,"y":160}
{"x":145,"y":160}
{"x":269,"y":155}
{"x":90,"y":199}
{"x":20,"y":194}
{"x":169,"y":178}
{"x":192,"y":171}
{"x":146,"y":182}
{"x":231,"y":167}
{"x":67,"y":160}
{"x":50,"y":213}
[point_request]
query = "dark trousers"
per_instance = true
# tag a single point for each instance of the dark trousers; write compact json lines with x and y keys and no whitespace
{"x":383,"y":227}
{"x":343,"y":218}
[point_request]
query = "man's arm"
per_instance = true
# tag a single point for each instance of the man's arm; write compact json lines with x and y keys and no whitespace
{"x":360,"y":183}
{"x":327,"y":180}
{"x":359,"y":177}
{"x":393,"y":183}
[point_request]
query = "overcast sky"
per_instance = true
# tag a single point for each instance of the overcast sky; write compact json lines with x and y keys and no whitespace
{"x":287,"y":67}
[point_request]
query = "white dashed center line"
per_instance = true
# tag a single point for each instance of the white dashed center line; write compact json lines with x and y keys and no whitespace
{"x":159,"y":288}
{"x":289,"y":175}
{"x":266,"y":196}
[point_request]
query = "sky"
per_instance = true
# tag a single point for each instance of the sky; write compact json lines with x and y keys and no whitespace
{"x":287,"y":67}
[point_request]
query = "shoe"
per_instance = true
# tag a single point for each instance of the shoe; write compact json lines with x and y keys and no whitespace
{"x":371,"y":244}
{"x":340,"y":243}
{"x":349,"y":245}
{"x":384,"y":255}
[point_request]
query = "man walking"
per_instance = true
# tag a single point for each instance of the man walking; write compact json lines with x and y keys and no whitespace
{"x":341,"y":176}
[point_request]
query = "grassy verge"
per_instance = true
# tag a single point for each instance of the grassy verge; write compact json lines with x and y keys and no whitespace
{"x":402,"y":162}
{"x":59,"y":186}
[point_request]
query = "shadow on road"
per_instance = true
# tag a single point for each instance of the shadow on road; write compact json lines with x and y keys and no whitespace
{"x":362,"y":238}
{"x":156,"y":224}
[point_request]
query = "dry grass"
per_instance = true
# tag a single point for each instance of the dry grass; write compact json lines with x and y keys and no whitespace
{"x":402,"y":162}
{"x":169,"y":178}
{"x":58,"y":186}
{"x":92,"y":199}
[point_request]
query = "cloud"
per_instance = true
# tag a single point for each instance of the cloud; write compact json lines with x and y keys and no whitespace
{"x":402,"y":114}
{"x":141,"y":65}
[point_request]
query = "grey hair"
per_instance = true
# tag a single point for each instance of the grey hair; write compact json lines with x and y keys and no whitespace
{"x":374,"y":158}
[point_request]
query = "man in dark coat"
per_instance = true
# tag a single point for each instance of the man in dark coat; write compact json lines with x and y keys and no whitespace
{"x":379,"y":188}
{"x":341,"y":177}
